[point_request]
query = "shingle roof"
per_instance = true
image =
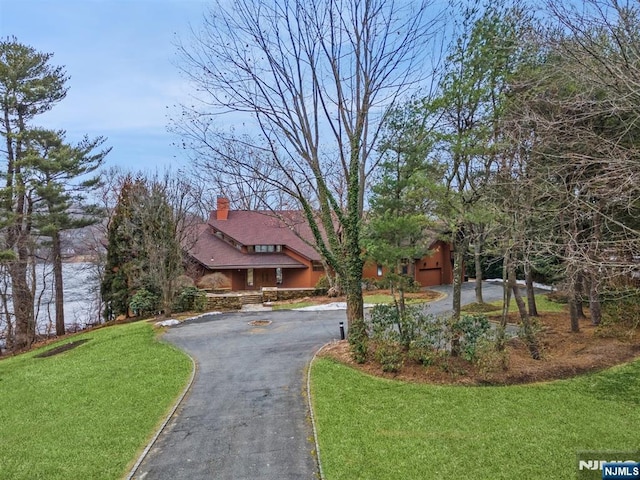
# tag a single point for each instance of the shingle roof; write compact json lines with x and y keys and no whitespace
{"x":265,"y":228}
{"x":215,"y":253}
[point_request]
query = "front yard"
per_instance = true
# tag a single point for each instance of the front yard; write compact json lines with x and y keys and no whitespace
{"x":373,"y":428}
{"x":86,"y":412}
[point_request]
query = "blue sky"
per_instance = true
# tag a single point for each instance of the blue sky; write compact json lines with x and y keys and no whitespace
{"x":121,"y":57}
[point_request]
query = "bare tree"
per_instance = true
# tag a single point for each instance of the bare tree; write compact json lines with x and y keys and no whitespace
{"x":579,"y":105}
{"x":315,"y":78}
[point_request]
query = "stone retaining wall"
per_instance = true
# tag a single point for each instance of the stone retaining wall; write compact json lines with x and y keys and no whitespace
{"x":269,"y":294}
{"x":223,"y":302}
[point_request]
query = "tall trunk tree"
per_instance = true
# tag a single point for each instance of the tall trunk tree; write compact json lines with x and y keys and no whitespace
{"x":29,"y":86}
{"x":465,"y":114}
{"x":314,"y":77}
{"x":60,"y":183}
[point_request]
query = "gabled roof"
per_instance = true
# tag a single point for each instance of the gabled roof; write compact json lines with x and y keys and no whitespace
{"x":213,"y":252}
{"x":266,"y":228}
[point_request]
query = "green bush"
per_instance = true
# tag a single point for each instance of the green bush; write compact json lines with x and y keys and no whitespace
{"x":190,"y":299}
{"x":489,"y":360}
{"x":359,"y":342}
{"x":144,"y":302}
{"x":322,"y":284}
{"x":389,"y":355}
{"x":387,"y":323}
{"x":621,"y":307}
{"x":558,"y":296}
{"x":470,"y":329}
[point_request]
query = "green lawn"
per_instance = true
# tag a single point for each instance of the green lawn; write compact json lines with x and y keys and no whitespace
{"x":542,"y":302}
{"x":372,"y":298}
{"x":377,"y":429}
{"x":495,"y":308}
{"x":87,"y":413}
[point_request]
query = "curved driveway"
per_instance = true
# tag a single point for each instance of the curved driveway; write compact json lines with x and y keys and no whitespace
{"x":246,"y":415}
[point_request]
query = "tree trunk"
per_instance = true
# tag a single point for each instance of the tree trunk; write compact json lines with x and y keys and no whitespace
{"x":594,"y":301}
{"x":25,"y":327}
{"x":58,"y":282}
{"x":458,"y":277}
{"x":578,"y":295}
{"x":573,"y":313}
{"x":529,"y":334}
{"x":594,"y":284}
{"x":506,"y":300}
{"x":531,"y":297}
{"x":477,"y":250}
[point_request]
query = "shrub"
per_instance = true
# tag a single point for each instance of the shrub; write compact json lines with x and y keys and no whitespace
{"x":322,"y":284}
{"x":190,"y":299}
{"x":489,"y":360}
{"x":621,"y":308}
{"x":388,"y":324}
{"x":470,"y":329}
{"x":422,"y":352}
{"x":144,"y":302}
{"x":389,"y":355}
{"x":359,"y":342}
{"x":559,"y":296}
{"x":214,"y":281}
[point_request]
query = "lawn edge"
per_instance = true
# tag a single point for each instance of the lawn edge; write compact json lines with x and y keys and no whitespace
{"x":168,"y":418}
{"x":311,"y":412}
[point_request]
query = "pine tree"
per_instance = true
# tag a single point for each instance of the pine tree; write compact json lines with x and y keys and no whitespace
{"x":29,"y":86}
{"x":60,"y":184}
{"x":125,"y":257}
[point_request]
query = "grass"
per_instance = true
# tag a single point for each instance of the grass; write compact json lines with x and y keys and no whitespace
{"x":372,"y":428}
{"x":542,"y":302}
{"x":495,"y":308}
{"x":87,"y":412}
{"x":373,"y":298}
{"x":289,"y":306}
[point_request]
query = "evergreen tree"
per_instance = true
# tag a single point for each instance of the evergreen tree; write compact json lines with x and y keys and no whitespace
{"x":143,"y":250}
{"x":124,"y":255}
{"x":395,"y":234}
{"x":60,"y":184}
{"x":29,"y":86}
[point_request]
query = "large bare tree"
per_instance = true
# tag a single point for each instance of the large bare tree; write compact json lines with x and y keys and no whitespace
{"x":314,"y":79}
{"x":576,"y":113}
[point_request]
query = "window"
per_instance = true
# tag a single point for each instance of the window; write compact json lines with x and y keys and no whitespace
{"x":279,"y":276}
{"x":250,"y":277}
{"x":267,"y":248}
{"x":379,"y":270}
{"x":405,"y":267}
{"x":317,"y":266}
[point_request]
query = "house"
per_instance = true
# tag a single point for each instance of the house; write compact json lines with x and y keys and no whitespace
{"x":256,"y":249}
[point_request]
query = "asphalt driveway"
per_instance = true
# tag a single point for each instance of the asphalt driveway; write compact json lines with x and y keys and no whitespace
{"x":246,"y":415}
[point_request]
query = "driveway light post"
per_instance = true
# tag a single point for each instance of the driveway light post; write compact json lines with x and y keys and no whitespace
{"x":341,"y":330}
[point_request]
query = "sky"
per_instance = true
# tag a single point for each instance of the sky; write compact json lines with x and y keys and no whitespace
{"x":123,"y":63}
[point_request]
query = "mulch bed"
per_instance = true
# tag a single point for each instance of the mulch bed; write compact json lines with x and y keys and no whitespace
{"x":564,"y":354}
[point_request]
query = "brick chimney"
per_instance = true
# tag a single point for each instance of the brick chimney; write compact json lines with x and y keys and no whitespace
{"x":222,"y":212}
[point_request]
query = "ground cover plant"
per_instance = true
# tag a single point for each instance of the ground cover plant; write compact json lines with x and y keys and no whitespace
{"x":87,"y":411}
{"x":384,"y":429}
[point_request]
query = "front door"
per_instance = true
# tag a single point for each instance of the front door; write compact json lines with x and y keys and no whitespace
{"x":264,"y":278}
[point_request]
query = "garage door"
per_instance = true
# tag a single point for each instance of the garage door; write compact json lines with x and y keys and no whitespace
{"x":428,"y":277}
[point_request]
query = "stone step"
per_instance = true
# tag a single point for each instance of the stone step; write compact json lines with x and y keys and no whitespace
{"x":251,"y":299}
